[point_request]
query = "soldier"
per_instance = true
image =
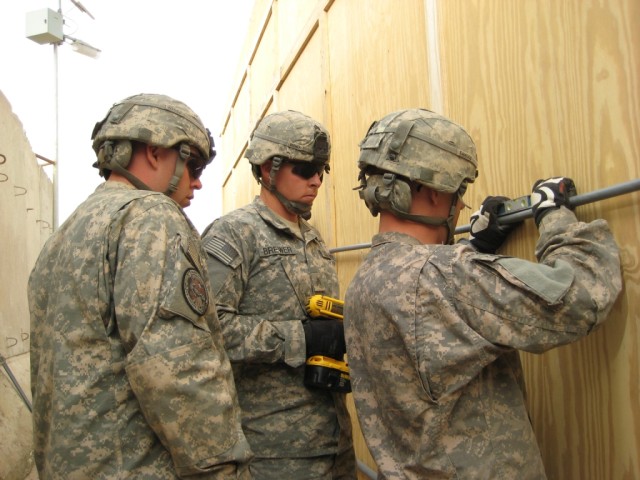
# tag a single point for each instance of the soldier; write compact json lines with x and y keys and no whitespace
{"x":433,"y":329}
{"x":128,"y":370}
{"x":265,"y":260}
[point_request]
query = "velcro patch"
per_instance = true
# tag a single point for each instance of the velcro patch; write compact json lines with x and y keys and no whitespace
{"x":551,"y":283}
{"x":195,"y":291}
{"x":221,"y":250}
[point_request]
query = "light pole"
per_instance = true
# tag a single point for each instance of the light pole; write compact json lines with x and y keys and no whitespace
{"x":46,"y":27}
{"x":56,"y":109}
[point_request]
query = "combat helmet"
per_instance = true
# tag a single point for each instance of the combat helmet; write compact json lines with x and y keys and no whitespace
{"x":152,"y":119}
{"x":288,"y":135}
{"x":415,"y":146}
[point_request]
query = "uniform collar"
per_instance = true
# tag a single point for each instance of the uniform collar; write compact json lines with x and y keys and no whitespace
{"x":394,"y":237}
{"x":276,"y":221}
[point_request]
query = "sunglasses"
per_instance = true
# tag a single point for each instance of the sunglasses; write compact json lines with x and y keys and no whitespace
{"x":307,"y":170}
{"x":195,"y":164}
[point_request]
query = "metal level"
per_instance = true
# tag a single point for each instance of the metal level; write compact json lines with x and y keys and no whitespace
{"x":523,"y":214}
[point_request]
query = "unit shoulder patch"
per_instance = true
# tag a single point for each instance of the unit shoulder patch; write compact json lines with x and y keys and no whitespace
{"x":195,"y":291}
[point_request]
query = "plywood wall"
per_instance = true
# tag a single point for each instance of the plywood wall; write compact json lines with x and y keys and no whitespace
{"x":545,"y":88}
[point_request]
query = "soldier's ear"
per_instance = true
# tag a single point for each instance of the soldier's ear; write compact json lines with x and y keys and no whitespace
{"x":152,"y":155}
{"x":265,"y":169}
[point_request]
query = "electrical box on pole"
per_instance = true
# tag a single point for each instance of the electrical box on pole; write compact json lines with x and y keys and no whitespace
{"x":44,"y":26}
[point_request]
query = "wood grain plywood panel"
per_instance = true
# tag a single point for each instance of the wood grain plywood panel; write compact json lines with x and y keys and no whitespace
{"x":264,"y":68}
{"x":242,"y":122}
{"x":240,"y":187}
{"x":292,"y":15}
{"x":542,"y":86}
{"x":378,"y":64}
{"x":237,"y":129}
{"x":551,"y":88}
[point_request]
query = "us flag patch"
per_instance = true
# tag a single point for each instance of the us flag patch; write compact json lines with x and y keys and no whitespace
{"x":221,"y":250}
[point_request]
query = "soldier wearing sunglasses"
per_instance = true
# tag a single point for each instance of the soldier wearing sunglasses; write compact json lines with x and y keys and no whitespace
{"x":265,"y":260}
{"x":129,"y":374}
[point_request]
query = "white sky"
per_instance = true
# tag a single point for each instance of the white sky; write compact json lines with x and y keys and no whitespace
{"x":187,"y":49}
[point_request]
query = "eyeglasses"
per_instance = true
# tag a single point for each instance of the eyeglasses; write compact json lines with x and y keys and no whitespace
{"x":307,"y":170}
{"x":195,"y":164}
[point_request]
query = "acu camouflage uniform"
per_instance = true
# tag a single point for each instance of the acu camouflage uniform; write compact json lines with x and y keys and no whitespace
{"x":128,"y":371}
{"x":262,"y":275}
{"x":432,"y":336}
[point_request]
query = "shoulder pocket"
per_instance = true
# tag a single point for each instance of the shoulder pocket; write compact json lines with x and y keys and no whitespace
{"x":550,"y":283}
{"x":186,"y":289}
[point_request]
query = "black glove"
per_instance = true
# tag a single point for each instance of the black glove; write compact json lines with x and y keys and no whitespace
{"x":549,"y":195}
{"x":487,"y":235}
{"x":325,"y":337}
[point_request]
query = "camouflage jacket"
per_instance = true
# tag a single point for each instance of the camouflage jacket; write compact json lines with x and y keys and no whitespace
{"x":262,"y":277}
{"x":128,"y":370}
{"x":433,"y":333}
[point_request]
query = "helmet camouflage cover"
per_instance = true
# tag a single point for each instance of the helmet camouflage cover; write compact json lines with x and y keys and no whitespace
{"x":423,"y":147}
{"x":291,"y":135}
{"x":156,"y":120}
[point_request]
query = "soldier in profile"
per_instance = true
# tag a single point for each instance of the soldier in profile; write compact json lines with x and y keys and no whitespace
{"x":129,"y":374}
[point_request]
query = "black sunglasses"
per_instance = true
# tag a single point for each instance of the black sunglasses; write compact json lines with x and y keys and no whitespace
{"x":195,"y":164}
{"x":307,"y":170}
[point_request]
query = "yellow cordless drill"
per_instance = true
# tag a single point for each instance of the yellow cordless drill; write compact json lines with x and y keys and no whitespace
{"x":321,"y":371}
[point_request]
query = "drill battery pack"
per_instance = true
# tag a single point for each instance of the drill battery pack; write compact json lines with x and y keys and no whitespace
{"x":327,"y":373}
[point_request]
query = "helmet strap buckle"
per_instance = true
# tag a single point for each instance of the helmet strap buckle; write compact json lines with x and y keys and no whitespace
{"x":399,"y":138}
{"x":184,"y":152}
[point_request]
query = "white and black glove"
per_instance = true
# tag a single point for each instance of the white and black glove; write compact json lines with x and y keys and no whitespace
{"x":550,"y":194}
{"x":487,"y":235}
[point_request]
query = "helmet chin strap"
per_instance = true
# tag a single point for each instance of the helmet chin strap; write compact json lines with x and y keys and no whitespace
{"x":112,"y":156}
{"x":440,"y":221}
{"x":447,"y":222}
{"x":297,"y":208}
{"x":184,"y":154}
{"x":385,"y":197}
{"x":135,"y":181}
{"x":432,"y":221}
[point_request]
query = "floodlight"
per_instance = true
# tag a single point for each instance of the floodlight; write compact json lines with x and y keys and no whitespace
{"x":83,"y":47}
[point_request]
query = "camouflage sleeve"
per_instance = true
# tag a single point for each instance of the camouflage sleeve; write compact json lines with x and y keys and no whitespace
{"x":256,"y":337}
{"x":593,"y":255}
{"x":178,"y":371}
{"x":536,"y":306}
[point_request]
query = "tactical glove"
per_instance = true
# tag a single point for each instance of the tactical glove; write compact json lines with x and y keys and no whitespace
{"x":324,"y":337}
{"x":549,"y":195}
{"x":487,"y":235}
